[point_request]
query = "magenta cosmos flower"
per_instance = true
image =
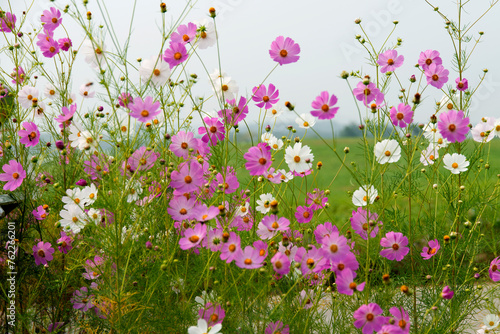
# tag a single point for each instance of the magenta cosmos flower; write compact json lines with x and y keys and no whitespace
{"x":65,"y":43}
{"x":389,"y":61}
{"x":453,"y":126}
{"x":258,"y":159}
{"x":230,"y":247}
{"x":82,"y":300}
{"x":213,"y":129}
{"x":401,"y":319}
{"x":284,"y":50}
{"x":277,"y":327}
{"x":180,"y":208}
{"x":462,"y":85}
{"x":265,"y":98}
{"x":64,"y":243}
{"x":334,"y":246}
{"x":236,"y":112}
{"x":428,"y":58}
{"x":304,"y":214}
{"x":436,"y":75}
{"x":189,"y":177}
{"x":494,"y":270}
{"x":322,"y":106}
{"x":447,"y":293}
{"x":43,"y":252}
{"x":182,"y":142}
{"x":7,"y":22}
{"x":396,"y":243}
{"x":345,"y":283}
{"x":366,"y":93}
{"x":361,"y":224}
{"x":14,"y":175}
{"x":193,"y":236}
{"x":175,"y":55}
{"x":213,"y":314}
{"x":144,"y":110}
{"x":184,"y":34}
{"x":428,"y":252}
{"x":402,"y":116}
{"x":48,"y":45}
{"x":281,"y":263}
{"x":30,"y":136}
{"x":51,"y":19}
{"x":64,"y":120}
{"x":39,"y":213}
{"x":369,"y":318}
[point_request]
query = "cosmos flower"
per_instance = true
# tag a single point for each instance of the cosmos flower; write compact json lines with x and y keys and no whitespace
{"x":387,"y":151}
{"x":14,"y":175}
{"x":369,"y":318}
{"x":43,"y":253}
{"x":456,"y":163}
{"x":453,"y":126}
{"x":144,"y":110}
{"x":428,"y":58}
{"x":396,"y":244}
{"x":30,"y":136}
{"x":428,"y":252}
{"x":284,"y":50}
{"x":402,"y":116}
{"x":436,"y":75}
{"x":265,"y":97}
{"x":323,"y":106}
{"x":389,"y":61}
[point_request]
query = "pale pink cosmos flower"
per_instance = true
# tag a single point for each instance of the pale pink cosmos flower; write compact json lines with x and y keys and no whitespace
{"x":402,"y":116}
{"x":14,"y":175}
{"x":389,"y":61}
{"x":347,"y":262}
{"x":180,"y":208}
{"x":193,"y":236}
{"x":284,"y":50}
{"x":249,"y":258}
{"x":345,"y":283}
{"x":277,"y":327}
{"x":265,"y":98}
{"x":484,"y":132}
{"x":281,"y":263}
{"x":312,"y":260}
{"x":181,"y":144}
{"x":363,"y":221}
{"x":184,"y":34}
{"x":369,"y":317}
{"x":213,"y":314}
{"x":323,"y":106}
{"x":428,"y":58}
{"x":437,"y":76}
{"x":334,"y":246}
{"x":230,"y":247}
{"x":396,"y":243}
{"x":30,"y":136}
{"x":144,"y":110}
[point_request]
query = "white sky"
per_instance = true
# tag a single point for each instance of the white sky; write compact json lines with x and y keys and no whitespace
{"x":325,"y":31}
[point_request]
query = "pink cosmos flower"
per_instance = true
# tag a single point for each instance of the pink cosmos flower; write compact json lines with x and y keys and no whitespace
{"x":65,"y":43}
{"x":447,"y":293}
{"x":347,"y":262}
{"x":193,"y":236}
{"x":284,"y":51}
{"x":389,"y":61}
{"x":322,"y":106}
{"x":304,"y":214}
{"x":428,"y":252}
{"x":462,"y":85}
{"x":14,"y":175}
{"x":43,"y":252}
{"x":51,"y":19}
{"x":428,"y":58}
{"x":124,"y":99}
{"x":401,"y":318}
{"x":64,"y":120}
{"x":390,"y":329}
{"x":141,"y":159}
{"x":144,"y":110}
{"x":403,"y":116}
{"x":213,"y":129}
{"x":345,"y":283}
{"x":228,"y":183}
{"x":265,"y":98}
{"x":180,"y":208}
{"x":213,"y":241}
{"x":64,"y":243}
{"x":277,"y":327}
{"x":30,"y":136}
{"x":324,"y":230}
{"x":437,"y":76}
{"x":40,"y":213}
{"x":249,"y":258}
{"x":334,"y":246}
{"x":230,"y":247}
{"x":189,"y":177}
{"x":184,"y":34}
{"x":175,"y":55}
{"x":281,"y":263}
{"x":484,"y":132}
{"x":369,"y":317}
{"x":366,"y":93}
{"x":82,"y":300}
{"x":181,"y":143}
{"x":7,"y":22}
{"x":396,"y":243}
{"x":48,"y":45}
{"x":361,"y":223}
{"x":92,"y":270}
{"x":236,"y":112}
{"x":213,"y":314}
{"x":316,"y":199}
{"x":494,"y":270}
{"x":202,"y":213}
{"x":312,"y":260}
{"x":18,"y":75}
{"x":453,"y":126}
{"x":273,"y":223}
{"x":258,"y":159}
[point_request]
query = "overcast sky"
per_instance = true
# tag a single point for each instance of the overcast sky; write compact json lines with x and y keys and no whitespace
{"x":324,"y":29}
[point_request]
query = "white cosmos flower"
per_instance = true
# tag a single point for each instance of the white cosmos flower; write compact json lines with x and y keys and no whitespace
{"x":86,"y":90}
{"x":94,"y":53}
{"x":491,"y":321}
{"x":283,"y":175}
{"x":299,"y":158}
{"x":207,"y":37}
{"x":455,"y":162}
{"x":267,"y":137}
{"x":134,"y":189}
{"x":434,"y":137}
{"x":74,"y":197}
{"x":496,"y":129}
{"x":93,"y":216}
{"x":242,"y":210}
{"x":364,"y":195}
{"x":387,"y":151}
{"x":51,"y":91}
{"x":483,"y":131}
{"x":224,"y":86}
{"x":72,"y":216}
{"x":276,"y":144}
{"x":26,"y":96}
{"x":274,"y":112}
{"x":202,"y":328}
{"x":429,"y":155}
{"x":305,"y":121}
{"x":264,"y":202}
{"x":89,"y":194}
{"x":154,"y":69}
